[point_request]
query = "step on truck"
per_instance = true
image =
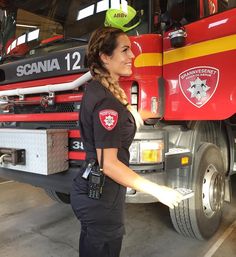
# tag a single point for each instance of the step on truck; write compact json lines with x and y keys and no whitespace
{"x":182,"y":85}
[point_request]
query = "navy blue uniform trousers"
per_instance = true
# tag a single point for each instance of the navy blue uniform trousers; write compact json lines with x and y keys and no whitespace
{"x":102,"y":221}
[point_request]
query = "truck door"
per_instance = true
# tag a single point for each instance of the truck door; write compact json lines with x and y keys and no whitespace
{"x":200,"y":74}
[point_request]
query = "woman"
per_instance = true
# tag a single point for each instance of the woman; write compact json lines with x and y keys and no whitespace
{"x":107,"y":129}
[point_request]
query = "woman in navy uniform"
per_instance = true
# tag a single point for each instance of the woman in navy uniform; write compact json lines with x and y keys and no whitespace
{"x":107,"y":129}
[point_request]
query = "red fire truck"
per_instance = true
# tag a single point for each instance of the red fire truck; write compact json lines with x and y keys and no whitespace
{"x":182,"y":85}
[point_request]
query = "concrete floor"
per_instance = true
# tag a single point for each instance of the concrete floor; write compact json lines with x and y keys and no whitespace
{"x":32,"y":225}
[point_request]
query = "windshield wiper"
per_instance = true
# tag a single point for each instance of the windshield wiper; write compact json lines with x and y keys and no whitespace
{"x":61,"y":40}
{"x":10,"y":58}
{"x":80,"y":39}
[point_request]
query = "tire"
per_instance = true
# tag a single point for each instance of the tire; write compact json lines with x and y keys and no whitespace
{"x":58,"y":196}
{"x":200,"y":216}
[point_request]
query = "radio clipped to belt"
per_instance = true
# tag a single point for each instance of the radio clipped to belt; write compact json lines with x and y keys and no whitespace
{"x":96,"y":178}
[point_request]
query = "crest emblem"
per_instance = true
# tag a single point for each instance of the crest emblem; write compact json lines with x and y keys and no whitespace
{"x":199,"y":84}
{"x":108,"y":119}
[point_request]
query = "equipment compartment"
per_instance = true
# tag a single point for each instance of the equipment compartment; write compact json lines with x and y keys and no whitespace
{"x":46,"y":151}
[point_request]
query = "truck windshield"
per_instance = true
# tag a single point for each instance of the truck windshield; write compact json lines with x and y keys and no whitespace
{"x":36,"y":27}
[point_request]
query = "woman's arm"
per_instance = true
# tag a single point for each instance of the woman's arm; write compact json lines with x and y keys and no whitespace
{"x":123,"y":175}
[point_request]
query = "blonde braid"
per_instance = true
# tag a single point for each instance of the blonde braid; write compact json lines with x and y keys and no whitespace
{"x":112,"y":85}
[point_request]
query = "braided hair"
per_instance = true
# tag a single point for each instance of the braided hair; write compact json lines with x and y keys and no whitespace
{"x":104,"y":41}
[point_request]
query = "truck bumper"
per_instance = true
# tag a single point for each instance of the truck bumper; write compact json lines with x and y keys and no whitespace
{"x":60,"y":182}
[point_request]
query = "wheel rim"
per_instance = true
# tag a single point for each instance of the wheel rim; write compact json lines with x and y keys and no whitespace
{"x":212,"y":191}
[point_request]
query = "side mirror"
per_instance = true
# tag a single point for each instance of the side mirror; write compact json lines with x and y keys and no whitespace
{"x":177,"y":37}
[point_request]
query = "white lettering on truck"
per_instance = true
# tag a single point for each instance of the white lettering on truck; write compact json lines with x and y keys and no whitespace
{"x":37,"y":67}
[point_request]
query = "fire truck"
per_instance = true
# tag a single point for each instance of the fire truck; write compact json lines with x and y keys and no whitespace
{"x":182,"y":86}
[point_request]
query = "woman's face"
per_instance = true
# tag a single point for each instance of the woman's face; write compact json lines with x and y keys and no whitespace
{"x":120,"y":62}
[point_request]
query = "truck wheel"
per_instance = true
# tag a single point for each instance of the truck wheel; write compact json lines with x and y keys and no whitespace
{"x":58,"y":196}
{"x":200,"y":216}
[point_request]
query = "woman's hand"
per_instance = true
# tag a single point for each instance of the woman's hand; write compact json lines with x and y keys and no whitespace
{"x":168,"y":196}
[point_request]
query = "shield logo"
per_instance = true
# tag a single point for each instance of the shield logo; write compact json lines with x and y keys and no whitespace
{"x":199,"y":84}
{"x":108,"y":119}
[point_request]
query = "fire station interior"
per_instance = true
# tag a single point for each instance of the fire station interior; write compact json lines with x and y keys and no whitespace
{"x":37,"y":221}
{"x":53,"y":29}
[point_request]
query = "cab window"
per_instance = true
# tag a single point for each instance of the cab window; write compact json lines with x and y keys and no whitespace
{"x":198,"y":9}
{"x":216,"y":6}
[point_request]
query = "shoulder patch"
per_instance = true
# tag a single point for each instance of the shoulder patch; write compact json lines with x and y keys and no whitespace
{"x":108,"y":119}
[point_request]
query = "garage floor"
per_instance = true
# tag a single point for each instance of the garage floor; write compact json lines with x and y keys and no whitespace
{"x":32,"y":225}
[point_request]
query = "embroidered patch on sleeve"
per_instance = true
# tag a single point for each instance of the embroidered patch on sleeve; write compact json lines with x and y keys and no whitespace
{"x":108,"y":119}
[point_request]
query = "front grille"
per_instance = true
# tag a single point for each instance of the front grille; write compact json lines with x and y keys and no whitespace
{"x":61,"y":107}
{"x":41,"y":125}
{"x":48,"y":125}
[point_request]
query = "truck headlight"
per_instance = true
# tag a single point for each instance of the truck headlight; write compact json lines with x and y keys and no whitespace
{"x":146,"y":152}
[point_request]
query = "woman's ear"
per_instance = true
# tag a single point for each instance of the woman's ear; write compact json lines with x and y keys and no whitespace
{"x":105,"y":58}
